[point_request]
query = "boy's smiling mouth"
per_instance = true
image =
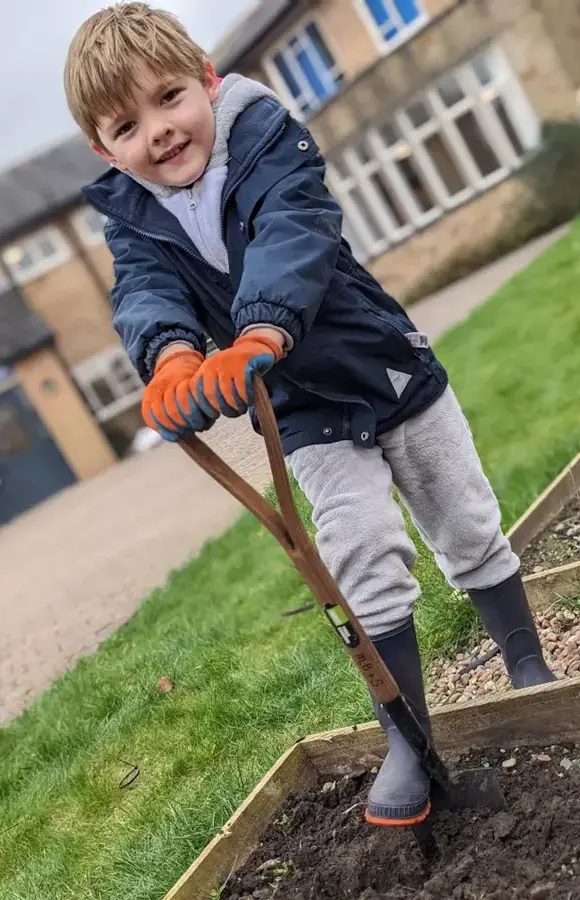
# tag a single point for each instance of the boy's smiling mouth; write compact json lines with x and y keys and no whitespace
{"x":173,"y":154}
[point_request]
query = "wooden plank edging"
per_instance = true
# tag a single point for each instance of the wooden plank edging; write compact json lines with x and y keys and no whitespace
{"x":544,"y":588}
{"x":239,"y":836}
{"x":543,"y":715}
{"x":546,"y":507}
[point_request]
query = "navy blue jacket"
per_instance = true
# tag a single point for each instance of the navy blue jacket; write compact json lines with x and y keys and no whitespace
{"x":289,"y":267}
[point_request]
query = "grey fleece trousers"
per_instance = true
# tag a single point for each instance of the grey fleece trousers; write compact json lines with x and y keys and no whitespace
{"x":433,"y":463}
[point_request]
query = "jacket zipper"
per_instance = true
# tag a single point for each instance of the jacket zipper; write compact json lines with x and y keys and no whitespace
{"x":167,"y":240}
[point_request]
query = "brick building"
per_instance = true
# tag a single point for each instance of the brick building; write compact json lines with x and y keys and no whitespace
{"x":68,"y":396}
{"x":426,"y":111}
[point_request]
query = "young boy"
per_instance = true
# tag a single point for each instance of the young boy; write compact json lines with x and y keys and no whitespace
{"x":220,"y":224}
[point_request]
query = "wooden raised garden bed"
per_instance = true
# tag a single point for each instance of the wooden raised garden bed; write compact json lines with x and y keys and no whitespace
{"x":537,"y":717}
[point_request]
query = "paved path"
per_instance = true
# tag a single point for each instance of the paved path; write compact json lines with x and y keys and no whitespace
{"x":75,"y":568}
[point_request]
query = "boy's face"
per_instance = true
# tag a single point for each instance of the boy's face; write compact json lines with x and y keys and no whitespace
{"x":165,"y":132}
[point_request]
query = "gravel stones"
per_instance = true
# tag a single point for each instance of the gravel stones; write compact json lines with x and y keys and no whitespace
{"x":559,"y":632}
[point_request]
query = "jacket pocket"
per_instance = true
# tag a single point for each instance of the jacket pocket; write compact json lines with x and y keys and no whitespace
{"x":399,"y":330}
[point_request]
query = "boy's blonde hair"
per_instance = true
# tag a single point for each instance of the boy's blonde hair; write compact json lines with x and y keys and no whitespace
{"x":99,"y":70}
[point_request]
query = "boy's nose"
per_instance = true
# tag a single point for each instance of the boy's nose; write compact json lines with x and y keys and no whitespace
{"x":160,"y":133}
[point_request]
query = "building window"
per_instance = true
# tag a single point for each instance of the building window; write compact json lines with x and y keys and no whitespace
{"x":467,"y":132}
{"x":109,"y":382}
{"x":394,"y":21}
{"x":36,"y":254}
{"x":304,"y":70}
{"x":89,"y":224}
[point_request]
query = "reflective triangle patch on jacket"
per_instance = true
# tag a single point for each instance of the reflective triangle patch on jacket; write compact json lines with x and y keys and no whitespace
{"x":399,"y":380}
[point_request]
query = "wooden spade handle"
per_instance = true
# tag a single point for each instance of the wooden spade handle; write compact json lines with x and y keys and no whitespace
{"x":289,"y":531}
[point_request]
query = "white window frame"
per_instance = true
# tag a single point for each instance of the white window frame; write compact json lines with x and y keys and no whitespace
{"x":277,"y":80}
{"x":404,"y":32}
{"x":79,"y":221}
{"x":41,"y":264}
{"x":100,"y":367}
{"x":477,"y":99}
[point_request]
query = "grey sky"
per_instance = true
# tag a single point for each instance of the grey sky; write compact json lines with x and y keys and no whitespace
{"x":34,"y":36}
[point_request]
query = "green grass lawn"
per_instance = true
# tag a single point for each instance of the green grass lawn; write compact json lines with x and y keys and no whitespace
{"x":247,"y":682}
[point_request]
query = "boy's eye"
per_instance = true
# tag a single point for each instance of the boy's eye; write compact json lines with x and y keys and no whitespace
{"x":125,"y":128}
{"x":171,"y":94}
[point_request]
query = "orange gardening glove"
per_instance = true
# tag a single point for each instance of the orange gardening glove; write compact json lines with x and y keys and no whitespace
{"x":168,"y":405}
{"x":224,"y":384}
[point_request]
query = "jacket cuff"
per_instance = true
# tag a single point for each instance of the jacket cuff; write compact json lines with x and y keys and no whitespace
{"x":272,"y":315}
{"x":162,"y":340}
{"x":288,"y":339}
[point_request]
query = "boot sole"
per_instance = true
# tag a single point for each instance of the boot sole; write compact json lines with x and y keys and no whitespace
{"x":389,"y":822}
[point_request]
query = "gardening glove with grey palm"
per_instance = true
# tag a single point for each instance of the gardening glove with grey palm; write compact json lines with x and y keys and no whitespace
{"x":167,"y":405}
{"x":400,"y":793}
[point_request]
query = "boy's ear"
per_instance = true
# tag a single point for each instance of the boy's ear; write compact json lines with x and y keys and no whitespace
{"x":212,"y":81}
{"x":104,"y":153}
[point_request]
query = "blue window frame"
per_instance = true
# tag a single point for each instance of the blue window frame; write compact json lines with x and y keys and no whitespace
{"x":306,"y":68}
{"x":394,"y":17}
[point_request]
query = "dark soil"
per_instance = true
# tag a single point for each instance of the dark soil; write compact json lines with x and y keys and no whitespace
{"x":558,"y":544}
{"x":319,"y":847}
